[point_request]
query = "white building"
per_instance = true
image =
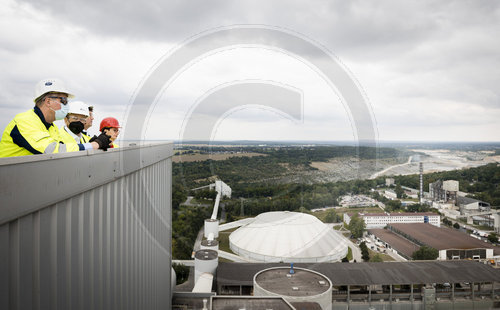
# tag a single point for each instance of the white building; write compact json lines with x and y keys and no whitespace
{"x":496,"y":221}
{"x":380,"y":220}
{"x":390,"y":194}
{"x":287,"y":237}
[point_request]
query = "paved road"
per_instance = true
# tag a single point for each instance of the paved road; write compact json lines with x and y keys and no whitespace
{"x":396,"y":256}
{"x":356,"y":252}
{"x":222,"y":213}
{"x":381,"y":205}
{"x":189,"y":203}
{"x":377,"y":174}
{"x":185,"y":262}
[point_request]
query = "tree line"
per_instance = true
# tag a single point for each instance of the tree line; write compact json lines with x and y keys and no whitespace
{"x":274,"y":162}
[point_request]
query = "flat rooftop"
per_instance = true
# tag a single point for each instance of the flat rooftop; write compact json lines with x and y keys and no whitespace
{"x":301,"y":283}
{"x":400,"y":214}
{"x":206,"y":254}
{"x":442,"y":238}
{"x":306,"y":305}
{"x":397,"y":242}
{"x":249,"y":303}
{"x":419,"y":272}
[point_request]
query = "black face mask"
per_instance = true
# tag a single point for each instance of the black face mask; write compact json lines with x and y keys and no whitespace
{"x":76,"y":127}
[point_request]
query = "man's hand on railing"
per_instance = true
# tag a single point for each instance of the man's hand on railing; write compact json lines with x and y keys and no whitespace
{"x":102,"y":141}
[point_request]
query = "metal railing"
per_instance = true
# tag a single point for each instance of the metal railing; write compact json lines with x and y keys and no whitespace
{"x":87,"y":230}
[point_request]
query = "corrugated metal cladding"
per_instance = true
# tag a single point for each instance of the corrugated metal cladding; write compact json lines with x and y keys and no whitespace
{"x":104,"y":247}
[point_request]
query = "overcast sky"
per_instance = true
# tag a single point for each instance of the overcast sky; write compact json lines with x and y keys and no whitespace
{"x":428,"y":70}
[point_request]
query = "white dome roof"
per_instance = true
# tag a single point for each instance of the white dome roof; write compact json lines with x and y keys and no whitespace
{"x":288,"y":237}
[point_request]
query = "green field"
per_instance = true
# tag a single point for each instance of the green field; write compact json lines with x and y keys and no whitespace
{"x":224,"y":241}
{"x":385,"y":257}
{"x":349,"y":253}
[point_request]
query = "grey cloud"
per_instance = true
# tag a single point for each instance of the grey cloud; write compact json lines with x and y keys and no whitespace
{"x":361,"y":30}
{"x":139,"y":20}
{"x":456,"y":41}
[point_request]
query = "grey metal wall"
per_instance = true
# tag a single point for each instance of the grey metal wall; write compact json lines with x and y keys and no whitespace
{"x":89,"y":230}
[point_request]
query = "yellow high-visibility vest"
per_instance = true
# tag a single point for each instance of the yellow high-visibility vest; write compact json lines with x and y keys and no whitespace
{"x":67,"y":137}
{"x":27,"y":134}
{"x":85,"y":138}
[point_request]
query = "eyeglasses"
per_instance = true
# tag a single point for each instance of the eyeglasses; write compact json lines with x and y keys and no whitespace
{"x":64,"y":100}
{"x":76,"y":118}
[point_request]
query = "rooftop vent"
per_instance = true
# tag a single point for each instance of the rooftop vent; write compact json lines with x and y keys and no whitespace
{"x":295,"y":288}
{"x":322,"y":282}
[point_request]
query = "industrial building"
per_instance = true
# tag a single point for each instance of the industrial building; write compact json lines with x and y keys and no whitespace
{"x":484,"y":220}
{"x":380,"y":220}
{"x":471,"y":205}
{"x":287,"y":237}
{"x":496,"y":221}
{"x":444,"y":190}
{"x":390,"y":285}
{"x":451,"y":244}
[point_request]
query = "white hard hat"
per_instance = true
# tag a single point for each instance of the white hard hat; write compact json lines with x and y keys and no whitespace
{"x":50,"y":85}
{"x":78,"y":107}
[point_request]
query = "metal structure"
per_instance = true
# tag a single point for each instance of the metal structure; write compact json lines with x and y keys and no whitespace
{"x":421,"y":194}
{"x":87,"y":230}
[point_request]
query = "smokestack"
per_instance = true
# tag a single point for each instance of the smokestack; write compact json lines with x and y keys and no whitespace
{"x":421,"y":182}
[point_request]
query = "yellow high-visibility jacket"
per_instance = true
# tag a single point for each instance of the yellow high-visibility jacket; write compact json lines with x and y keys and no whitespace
{"x":28,"y":133}
{"x":85,"y":138}
{"x":67,"y":137}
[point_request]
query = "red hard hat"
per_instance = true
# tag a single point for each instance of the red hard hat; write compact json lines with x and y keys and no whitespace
{"x":109,"y":122}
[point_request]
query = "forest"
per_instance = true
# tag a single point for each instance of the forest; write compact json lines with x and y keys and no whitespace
{"x":274,"y":162}
{"x":254,"y":192}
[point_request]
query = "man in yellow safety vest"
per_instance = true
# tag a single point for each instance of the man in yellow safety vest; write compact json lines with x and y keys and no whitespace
{"x":74,"y":123}
{"x":33,"y":131}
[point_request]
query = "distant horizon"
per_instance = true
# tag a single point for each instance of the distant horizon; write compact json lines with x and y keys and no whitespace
{"x":348,"y":142}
